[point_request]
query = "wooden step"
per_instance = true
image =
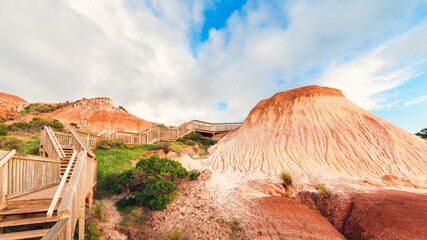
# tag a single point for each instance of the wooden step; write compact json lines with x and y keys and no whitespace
{"x":24,"y":234}
{"x":27,"y":221}
{"x":24,"y":210}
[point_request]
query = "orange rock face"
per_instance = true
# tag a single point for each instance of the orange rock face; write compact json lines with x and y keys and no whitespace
{"x":95,"y":115}
{"x":316,"y":131}
{"x":10,"y":104}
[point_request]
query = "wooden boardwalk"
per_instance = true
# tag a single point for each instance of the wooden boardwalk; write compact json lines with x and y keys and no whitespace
{"x":52,"y":188}
{"x":56,"y":186}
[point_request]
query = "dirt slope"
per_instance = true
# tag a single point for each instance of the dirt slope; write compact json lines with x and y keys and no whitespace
{"x":316,"y":131}
{"x":10,"y":104}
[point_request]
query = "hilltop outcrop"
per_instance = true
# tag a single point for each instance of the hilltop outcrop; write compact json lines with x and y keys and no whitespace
{"x":93,"y":115}
{"x":10,"y":104}
{"x":315,"y":131}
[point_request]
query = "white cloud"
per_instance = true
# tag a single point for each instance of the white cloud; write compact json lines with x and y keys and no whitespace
{"x":416,"y":100}
{"x":384,"y":68}
{"x":139,"y":53}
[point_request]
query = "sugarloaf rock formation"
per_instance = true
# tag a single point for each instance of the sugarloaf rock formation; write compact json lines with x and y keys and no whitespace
{"x":316,"y":131}
{"x":10,"y":104}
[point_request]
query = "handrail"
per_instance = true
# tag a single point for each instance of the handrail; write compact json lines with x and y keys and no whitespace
{"x":61,"y":185}
{"x":7,"y":157}
{"x":56,"y":141}
{"x":57,"y":230}
{"x":88,"y":151}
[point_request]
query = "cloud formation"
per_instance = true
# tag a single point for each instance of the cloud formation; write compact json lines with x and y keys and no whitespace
{"x":140,"y":53}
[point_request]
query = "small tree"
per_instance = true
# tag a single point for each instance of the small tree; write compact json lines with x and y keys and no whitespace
{"x":151,"y":182}
{"x":422,"y":133}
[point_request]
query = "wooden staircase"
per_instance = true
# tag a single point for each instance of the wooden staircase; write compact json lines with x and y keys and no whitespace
{"x":68,"y":150}
{"x":25,"y":216}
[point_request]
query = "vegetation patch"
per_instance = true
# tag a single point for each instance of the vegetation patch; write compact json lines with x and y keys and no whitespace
{"x":196,"y":138}
{"x":422,"y":133}
{"x":36,"y":108}
{"x":9,"y":143}
{"x":324,"y":192}
{"x":30,"y":145}
{"x":286,"y":178}
{"x":112,"y":162}
{"x":35,"y":125}
{"x":151,"y":182}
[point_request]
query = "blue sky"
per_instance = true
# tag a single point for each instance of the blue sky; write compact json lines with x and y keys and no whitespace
{"x":171,"y":61}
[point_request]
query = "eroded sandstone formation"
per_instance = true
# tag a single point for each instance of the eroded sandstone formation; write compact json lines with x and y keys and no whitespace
{"x":316,"y":131}
{"x":10,"y":104}
{"x":98,"y":115}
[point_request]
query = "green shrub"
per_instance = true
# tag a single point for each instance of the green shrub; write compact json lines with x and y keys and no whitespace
{"x":9,"y":143}
{"x":175,"y":235}
{"x":122,"y":108}
{"x":199,"y":138}
{"x":108,"y":144}
{"x":100,"y":209}
{"x":190,"y":142}
{"x":35,"y":125}
{"x":194,"y":175}
{"x":3,"y":132}
{"x":91,"y":230}
{"x":163,"y":145}
{"x":74,"y":125}
{"x":36,"y":108}
{"x":323,"y":191}
{"x":286,"y":178}
{"x":150,"y":182}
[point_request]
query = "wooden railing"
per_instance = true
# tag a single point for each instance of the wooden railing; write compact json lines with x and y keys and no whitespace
{"x":50,"y":145}
{"x":157,"y":134}
{"x":22,"y":174}
{"x":64,"y":139}
{"x":72,"y":205}
{"x":61,"y":186}
{"x":79,"y":145}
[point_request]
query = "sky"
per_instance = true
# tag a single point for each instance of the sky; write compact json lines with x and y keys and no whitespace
{"x":171,"y":61}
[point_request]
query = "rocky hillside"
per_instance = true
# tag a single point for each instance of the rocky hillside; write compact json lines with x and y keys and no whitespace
{"x":10,"y":104}
{"x":96,"y":115}
{"x":316,"y":131}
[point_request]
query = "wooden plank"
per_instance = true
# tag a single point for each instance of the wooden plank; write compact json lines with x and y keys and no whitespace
{"x":6,"y":157}
{"x":60,"y":187}
{"x":56,"y":230}
{"x":27,"y":221}
{"x":24,"y":235}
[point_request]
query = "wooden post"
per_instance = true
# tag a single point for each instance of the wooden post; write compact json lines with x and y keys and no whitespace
{"x":1,"y":229}
{"x":90,"y":200}
{"x":82,"y":225}
{"x":88,"y":140}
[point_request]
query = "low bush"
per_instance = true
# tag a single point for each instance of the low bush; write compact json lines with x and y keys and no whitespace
{"x":36,"y":108}
{"x":91,"y":230}
{"x":35,"y":125}
{"x":286,"y":178}
{"x":162,"y":145}
{"x":323,"y":191}
{"x":108,"y":144}
{"x":9,"y":143}
{"x":151,"y":182}
{"x":190,"y":142}
{"x":100,"y":209}
{"x":198,"y":138}
{"x":3,"y":132}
